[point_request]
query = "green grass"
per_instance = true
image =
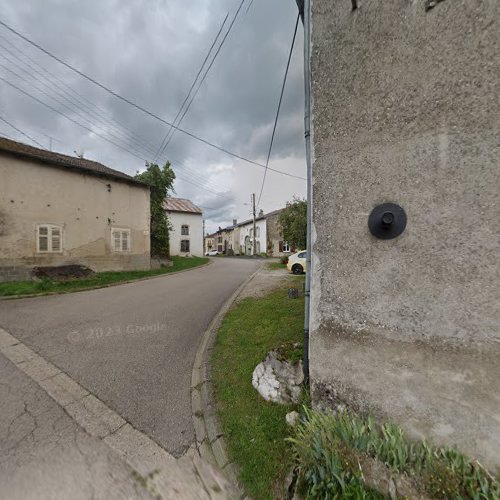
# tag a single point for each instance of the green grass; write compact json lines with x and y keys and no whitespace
{"x":98,"y":280}
{"x":276,"y":265}
{"x":329,"y":448}
{"x":256,"y":430}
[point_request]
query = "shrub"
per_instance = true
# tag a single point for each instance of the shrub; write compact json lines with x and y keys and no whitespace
{"x":328,"y":448}
{"x":284,"y":260}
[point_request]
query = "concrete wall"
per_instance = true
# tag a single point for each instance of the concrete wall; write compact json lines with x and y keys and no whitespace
{"x":85,"y":208}
{"x":406,"y":109}
{"x":195,"y":237}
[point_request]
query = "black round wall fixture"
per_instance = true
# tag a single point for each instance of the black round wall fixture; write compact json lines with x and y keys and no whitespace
{"x":387,"y":221}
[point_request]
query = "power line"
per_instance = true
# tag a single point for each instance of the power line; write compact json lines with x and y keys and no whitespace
{"x":279,"y":107}
{"x":21,"y":132}
{"x":137,"y":106}
{"x":162,"y":148}
{"x":207,"y":71}
{"x":183,"y":176}
{"x":128,"y":134}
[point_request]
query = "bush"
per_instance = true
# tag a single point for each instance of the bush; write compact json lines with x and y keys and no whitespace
{"x":329,"y":449}
{"x":284,"y":260}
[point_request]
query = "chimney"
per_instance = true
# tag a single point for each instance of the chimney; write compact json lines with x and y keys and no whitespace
{"x":235,"y":221}
{"x":261,"y":213}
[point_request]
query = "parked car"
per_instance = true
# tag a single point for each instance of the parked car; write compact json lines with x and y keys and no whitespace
{"x":211,"y":253}
{"x":297,"y":262}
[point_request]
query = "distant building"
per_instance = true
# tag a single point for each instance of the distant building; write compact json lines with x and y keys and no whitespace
{"x":238,"y":238}
{"x":57,"y":210}
{"x":186,"y":219}
{"x":209,"y":242}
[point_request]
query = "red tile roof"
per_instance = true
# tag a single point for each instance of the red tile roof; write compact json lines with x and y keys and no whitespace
{"x":60,"y":160}
{"x":181,"y":205}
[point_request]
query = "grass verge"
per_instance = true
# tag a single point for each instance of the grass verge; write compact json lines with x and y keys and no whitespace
{"x":255,"y":430}
{"x":344,"y":455}
{"x":98,"y":280}
{"x":275,"y":265}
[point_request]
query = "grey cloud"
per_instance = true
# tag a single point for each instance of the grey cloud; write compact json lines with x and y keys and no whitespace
{"x":149,"y":51}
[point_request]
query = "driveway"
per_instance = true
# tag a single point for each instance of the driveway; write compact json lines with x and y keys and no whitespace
{"x":132,"y":345}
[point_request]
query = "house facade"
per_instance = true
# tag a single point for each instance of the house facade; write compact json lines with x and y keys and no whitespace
{"x":58,"y":210}
{"x":186,"y":234}
{"x":405,"y":316}
{"x":209,"y":242}
{"x":238,"y":238}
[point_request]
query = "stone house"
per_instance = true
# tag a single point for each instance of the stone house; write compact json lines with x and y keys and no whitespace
{"x":237,"y":239}
{"x":209,"y":242}
{"x":405,"y":316}
{"x":186,"y":220}
{"x":58,"y":210}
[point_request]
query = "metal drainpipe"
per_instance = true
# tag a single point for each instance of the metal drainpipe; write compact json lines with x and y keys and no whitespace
{"x":307,"y":134}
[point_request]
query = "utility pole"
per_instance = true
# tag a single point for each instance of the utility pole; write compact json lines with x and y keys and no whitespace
{"x":204,"y":249}
{"x":254,"y":240}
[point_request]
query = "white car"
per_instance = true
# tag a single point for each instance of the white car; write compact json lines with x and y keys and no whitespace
{"x":211,"y":253}
{"x":297,"y":262}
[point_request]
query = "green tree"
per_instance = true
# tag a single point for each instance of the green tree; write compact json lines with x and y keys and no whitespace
{"x":161,"y":181}
{"x":293,"y":222}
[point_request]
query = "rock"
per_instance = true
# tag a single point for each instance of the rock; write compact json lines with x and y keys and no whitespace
{"x":292,"y":418}
{"x":278,"y":381}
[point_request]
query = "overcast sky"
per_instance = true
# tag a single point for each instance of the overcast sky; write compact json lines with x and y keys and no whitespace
{"x":150,"y":52}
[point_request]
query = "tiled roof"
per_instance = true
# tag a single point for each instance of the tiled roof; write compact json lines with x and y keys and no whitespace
{"x":181,"y":205}
{"x":65,"y":161}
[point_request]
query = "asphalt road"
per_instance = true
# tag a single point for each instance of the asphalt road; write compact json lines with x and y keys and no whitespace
{"x":132,"y":345}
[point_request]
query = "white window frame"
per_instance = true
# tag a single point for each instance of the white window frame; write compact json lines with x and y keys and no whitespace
{"x":286,"y":247}
{"x":182,"y":228}
{"x":122,"y":231}
{"x":50,"y":228}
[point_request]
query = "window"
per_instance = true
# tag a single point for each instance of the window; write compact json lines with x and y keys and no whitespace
{"x":49,"y":238}
{"x":184,"y":245}
{"x":251,"y":232}
{"x":302,"y":255}
{"x":120,"y":240}
{"x":286,"y":246}
{"x":257,"y":232}
{"x":185,"y":230}
{"x":219,"y":239}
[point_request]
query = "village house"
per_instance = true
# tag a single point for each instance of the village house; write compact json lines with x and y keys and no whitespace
{"x":58,"y":210}
{"x":186,"y":220}
{"x":238,"y":238}
{"x":209,"y":242}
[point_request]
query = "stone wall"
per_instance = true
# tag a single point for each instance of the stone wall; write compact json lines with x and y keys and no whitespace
{"x":406,"y":110}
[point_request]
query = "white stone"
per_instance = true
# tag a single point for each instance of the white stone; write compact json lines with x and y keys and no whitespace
{"x":292,"y":418}
{"x":278,"y":381}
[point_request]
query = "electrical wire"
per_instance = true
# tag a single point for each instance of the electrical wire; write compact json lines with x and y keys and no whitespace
{"x":207,"y":71}
{"x":137,"y":106}
{"x":21,"y":132}
{"x":126,"y":132}
{"x":279,"y":107}
{"x":189,"y":172}
{"x":162,"y":148}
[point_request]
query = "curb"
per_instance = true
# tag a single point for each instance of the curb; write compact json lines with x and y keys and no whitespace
{"x":109,"y":285}
{"x":209,"y":437}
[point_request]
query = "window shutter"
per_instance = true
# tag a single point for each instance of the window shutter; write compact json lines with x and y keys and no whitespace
{"x":43,"y":239}
{"x":280,"y":247}
{"x":56,"y":239}
{"x":116,"y":240}
{"x":125,"y":245}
